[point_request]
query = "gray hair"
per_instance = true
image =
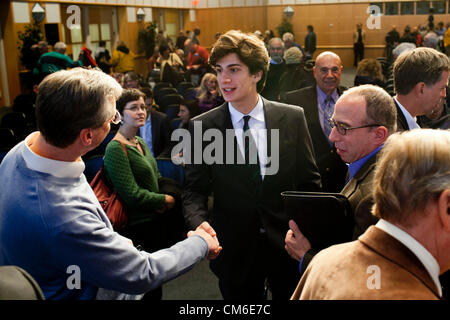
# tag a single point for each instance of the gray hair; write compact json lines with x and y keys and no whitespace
{"x":59,"y":47}
{"x":413,"y":169}
{"x":71,"y":100}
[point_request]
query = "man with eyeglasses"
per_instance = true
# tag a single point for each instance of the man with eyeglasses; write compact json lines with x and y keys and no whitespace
{"x":51,"y":223}
{"x":318,"y":103}
{"x":363,"y":119}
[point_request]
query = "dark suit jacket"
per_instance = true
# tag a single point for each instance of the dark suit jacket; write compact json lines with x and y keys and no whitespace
{"x":161,"y":130}
{"x":359,"y":193}
{"x":241,"y":205}
{"x":332,"y":169}
{"x":402,"y":124}
{"x":341,"y":272}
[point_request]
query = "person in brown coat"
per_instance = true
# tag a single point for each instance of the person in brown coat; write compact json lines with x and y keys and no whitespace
{"x":402,"y":256}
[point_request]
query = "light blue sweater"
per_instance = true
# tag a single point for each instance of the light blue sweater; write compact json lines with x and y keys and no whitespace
{"x":48,"y":223}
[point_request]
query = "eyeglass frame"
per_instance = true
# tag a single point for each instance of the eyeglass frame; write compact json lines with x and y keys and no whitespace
{"x":142,"y":107}
{"x":116,"y":118}
{"x":339,"y":126}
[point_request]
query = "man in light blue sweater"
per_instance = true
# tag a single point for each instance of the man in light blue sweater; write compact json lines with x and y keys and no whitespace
{"x":51,"y":223}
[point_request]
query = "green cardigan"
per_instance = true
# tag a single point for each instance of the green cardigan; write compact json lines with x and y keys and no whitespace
{"x":136,"y":180}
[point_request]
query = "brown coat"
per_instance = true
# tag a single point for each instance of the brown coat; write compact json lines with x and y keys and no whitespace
{"x":341,"y":272}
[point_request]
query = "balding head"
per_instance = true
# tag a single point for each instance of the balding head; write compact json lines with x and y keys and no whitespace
{"x":328,"y":71}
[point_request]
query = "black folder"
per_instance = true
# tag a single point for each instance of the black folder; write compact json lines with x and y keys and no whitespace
{"x":324,"y":218}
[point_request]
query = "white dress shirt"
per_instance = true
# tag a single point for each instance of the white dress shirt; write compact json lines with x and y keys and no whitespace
{"x":416,"y":247}
{"x":56,"y":168}
{"x":257,"y":126}
{"x":412,"y":123}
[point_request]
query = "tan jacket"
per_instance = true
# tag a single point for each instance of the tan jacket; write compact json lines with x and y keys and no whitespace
{"x":342,"y":272}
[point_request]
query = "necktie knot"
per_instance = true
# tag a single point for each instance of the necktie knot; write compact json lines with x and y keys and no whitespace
{"x":246,"y":120}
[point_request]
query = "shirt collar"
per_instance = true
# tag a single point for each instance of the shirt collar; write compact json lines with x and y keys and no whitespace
{"x":354,"y":167}
{"x":257,"y":113}
{"x":322,"y":96}
{"x":412,"y":124}
{"x":56,"y":168}
{"x":427,"y":259}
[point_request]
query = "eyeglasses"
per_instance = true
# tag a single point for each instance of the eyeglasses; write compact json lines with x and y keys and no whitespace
{"x":342,"y":129}
{"x":333,"y":70}
{"x":116,"y":118}
{"x":135,"y":107}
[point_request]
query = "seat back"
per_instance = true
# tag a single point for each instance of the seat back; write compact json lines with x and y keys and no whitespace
{"x":169,"y":169}
{"x":160,"y":85}
{"x":173,"y":98}
{"x":92,"y":166}
{"x":182,"y":86}
{"x":163,"y":92}
{"x":17,"y":123}
{"x":190,"y":93}
{"x":171,"y":110}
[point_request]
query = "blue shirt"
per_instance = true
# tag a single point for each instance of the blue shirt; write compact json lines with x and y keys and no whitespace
{"x":50,"y":220}
{"x":354,"y":167}
{"x":146,"y":133}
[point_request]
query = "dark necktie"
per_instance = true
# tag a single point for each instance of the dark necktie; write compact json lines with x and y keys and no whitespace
{"x":250,"y":144}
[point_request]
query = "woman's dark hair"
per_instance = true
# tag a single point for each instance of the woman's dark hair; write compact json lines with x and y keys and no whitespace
{"x":162,"y":48}
{"x":192,"y":106}
{"x":127,"y":96}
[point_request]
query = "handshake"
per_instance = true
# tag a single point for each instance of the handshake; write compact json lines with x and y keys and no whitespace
{"x":207,"y":232}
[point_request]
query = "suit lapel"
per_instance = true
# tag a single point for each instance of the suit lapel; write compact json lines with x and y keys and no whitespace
{"x":395,"y":251}
{"x":352,"y":185}
{"x":402,"y":124}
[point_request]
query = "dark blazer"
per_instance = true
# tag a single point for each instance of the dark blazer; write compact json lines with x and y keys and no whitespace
{"x":340,"y":272}
{"x":332,"y":169}
{"x":359,"y":193}
{"x":241,"y":204}
{"x":161,"y":130}
{"x":402,"y":124}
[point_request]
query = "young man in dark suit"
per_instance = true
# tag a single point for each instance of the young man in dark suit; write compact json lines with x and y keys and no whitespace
{"x":318,"y":102}
{"x":274,"y":153}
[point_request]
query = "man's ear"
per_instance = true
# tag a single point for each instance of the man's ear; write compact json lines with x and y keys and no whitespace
{"x":444,"y":209}
{"x":381,"y":134}
{"x":86,"y":136}
{"x":257,"y":76}
{"x":419,"y":88}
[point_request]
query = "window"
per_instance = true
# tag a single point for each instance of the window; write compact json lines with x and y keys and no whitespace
{"x":391,"y":8}
{"x":439,"y":7}
{"x":423,"y":7}
{"x":407,"y":7}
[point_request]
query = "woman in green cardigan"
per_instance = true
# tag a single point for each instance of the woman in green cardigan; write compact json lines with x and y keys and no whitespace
{"x":134,"y":174}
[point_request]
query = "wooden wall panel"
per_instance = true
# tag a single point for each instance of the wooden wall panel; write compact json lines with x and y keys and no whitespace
{"x":334,"y":25}
{"x":211,"y":21}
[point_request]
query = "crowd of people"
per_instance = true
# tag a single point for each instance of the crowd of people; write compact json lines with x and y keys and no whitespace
{"x":287,"y":125}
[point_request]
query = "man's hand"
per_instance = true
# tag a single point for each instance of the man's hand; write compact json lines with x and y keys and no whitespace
{"x":296,"y":243}
{"x":207,"y":227}
{"x":213,"y":242}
